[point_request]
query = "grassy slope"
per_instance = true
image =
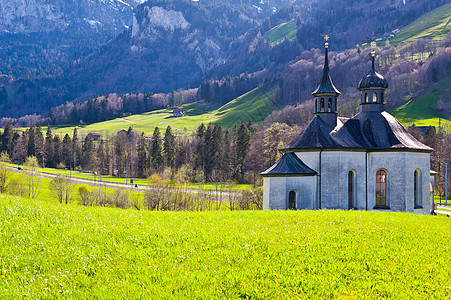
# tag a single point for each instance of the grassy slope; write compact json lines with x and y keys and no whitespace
{"x":423,"y":110}
{"x":432,"y":25}
{"x":282,"y":31}
{"x":53,"y":251}
{"x":254,"y":106}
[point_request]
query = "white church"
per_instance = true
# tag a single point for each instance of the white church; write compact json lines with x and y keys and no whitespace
{"x":368,"y":162}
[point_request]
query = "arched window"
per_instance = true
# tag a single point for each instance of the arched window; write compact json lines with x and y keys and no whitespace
{"x":316,"y":104}
{"x":329,"y":108}
{"x":374,"y":97}
{"x":382,"y":97}
{"x":366,"y":97}
{"x":322,"y":104}
{"x":417,"y":192}
{"x":292,"y":200}
{"x":381,"y":189}
{"x":351,"y":190}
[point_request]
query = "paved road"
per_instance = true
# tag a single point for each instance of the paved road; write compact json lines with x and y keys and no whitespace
{"x":440,"y":210}
{"x":141,"y":188}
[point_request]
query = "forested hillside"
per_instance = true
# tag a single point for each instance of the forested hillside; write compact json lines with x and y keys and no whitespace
{"x":194,"y":42}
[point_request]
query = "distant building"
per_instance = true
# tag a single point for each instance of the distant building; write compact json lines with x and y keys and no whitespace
{"x":94,"y":136}
{"x":177,"y":113}
{"x":368,"y":162}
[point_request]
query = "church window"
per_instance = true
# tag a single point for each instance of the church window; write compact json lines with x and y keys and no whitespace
{"x":382,"y":97}
{"x":329,"y":108}
{"x":316,"y":104}
{"x":351,"y":190}
{"x":418,"y":203}
{"x":366,"y":97}
{"x":292,"y":200}
{"x":322,"y":104}
{"x":381,"y":189}
{"x":374,"y":97}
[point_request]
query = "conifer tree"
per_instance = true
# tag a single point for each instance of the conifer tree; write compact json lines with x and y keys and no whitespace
{"x":49,"y":149}
{"x":242,"y":146}
{"x":57,"y":153}
{"x":39,"y":145}
{"x":7,"y":138}
{"x":169,"y":147}
{"x":66,"y":151}
{"x":142,"y":157}
{"x":75,"y":148}
{"x":156,"y":157}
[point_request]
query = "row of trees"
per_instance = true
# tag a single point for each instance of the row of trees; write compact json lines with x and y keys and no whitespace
{"x":209,"y":154}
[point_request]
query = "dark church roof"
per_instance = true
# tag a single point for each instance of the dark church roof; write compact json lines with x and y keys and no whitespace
{"x":368,"y":130}
{"x":289,"y":164}
{"x":326,"y":85}
{"x":315,"y":135}
{"x":373,"y":79}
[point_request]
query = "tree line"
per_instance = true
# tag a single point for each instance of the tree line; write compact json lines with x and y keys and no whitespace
{"x":210,"y":153}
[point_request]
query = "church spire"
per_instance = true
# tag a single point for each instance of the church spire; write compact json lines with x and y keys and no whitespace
{"x":326,"y":85}
{"x":326,"y":94}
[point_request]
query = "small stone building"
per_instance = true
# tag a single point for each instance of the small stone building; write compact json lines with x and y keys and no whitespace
{"x":368,"y":162}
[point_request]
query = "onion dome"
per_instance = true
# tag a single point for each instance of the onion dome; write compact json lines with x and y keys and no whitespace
{"x":326,"y":85}
{"x":373,"y":79}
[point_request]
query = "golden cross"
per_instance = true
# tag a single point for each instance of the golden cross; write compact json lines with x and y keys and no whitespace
{"x":326,"y":37}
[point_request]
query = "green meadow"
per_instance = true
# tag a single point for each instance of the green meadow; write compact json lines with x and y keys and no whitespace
{"x":253,"y":106}
{"x":59,"y":251}
{"x":425,"y":110}
{"x":282,"y":31}
{"x":433,"y":25}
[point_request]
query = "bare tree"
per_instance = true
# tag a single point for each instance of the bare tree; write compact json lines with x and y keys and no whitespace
{"x":32,"y":180}
{"x":62,"y":187}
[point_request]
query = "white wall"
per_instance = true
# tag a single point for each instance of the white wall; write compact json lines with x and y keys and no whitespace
{"x":335,"y":166}
{"x":277,"y":189}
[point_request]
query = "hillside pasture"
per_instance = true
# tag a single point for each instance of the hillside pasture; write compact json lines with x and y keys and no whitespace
{"x":433,"y":25}
{"x":282,"y":31}
{"x":58,"y":251}
{"x":425,"y":110}
{"x":253,"y":106}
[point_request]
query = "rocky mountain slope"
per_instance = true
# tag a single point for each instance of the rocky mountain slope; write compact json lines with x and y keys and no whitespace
{"x":39,"y":37}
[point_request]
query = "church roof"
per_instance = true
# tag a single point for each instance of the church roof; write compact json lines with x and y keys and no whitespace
{"x":289,"y":164}
{"x":315,"y":135}
{"x":368,"y":130}
{"x":326,"y":85}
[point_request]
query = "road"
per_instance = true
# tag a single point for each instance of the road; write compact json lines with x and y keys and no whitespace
{"x":115,"y":185}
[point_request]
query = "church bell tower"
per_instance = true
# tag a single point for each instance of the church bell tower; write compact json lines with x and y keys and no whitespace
{"x":372,"y":88}
{"x":326,"y":95}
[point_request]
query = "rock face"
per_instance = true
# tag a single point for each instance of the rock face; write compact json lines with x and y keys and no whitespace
{"x":25,"y":16}
{"x":40,"y":37}
{"x":169,"y":45}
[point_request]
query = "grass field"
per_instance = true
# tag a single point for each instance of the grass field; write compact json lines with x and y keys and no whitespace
{"x":432,"y":25}
{"x":254,"y":106}
{"x":282,"y":31}
{"x":423,"y":110}
{"x":53,"y":251}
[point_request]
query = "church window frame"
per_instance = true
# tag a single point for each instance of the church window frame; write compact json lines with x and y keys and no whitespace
{"x":322,"y":105}
{"x":352,"y":191}
{"x":329,"y":108}
{"x":374,"y":97}
{"x":292,"y":200}
{"x":366,"y":97}
{"x":381,"y":189}
{"x":417,"y":189}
